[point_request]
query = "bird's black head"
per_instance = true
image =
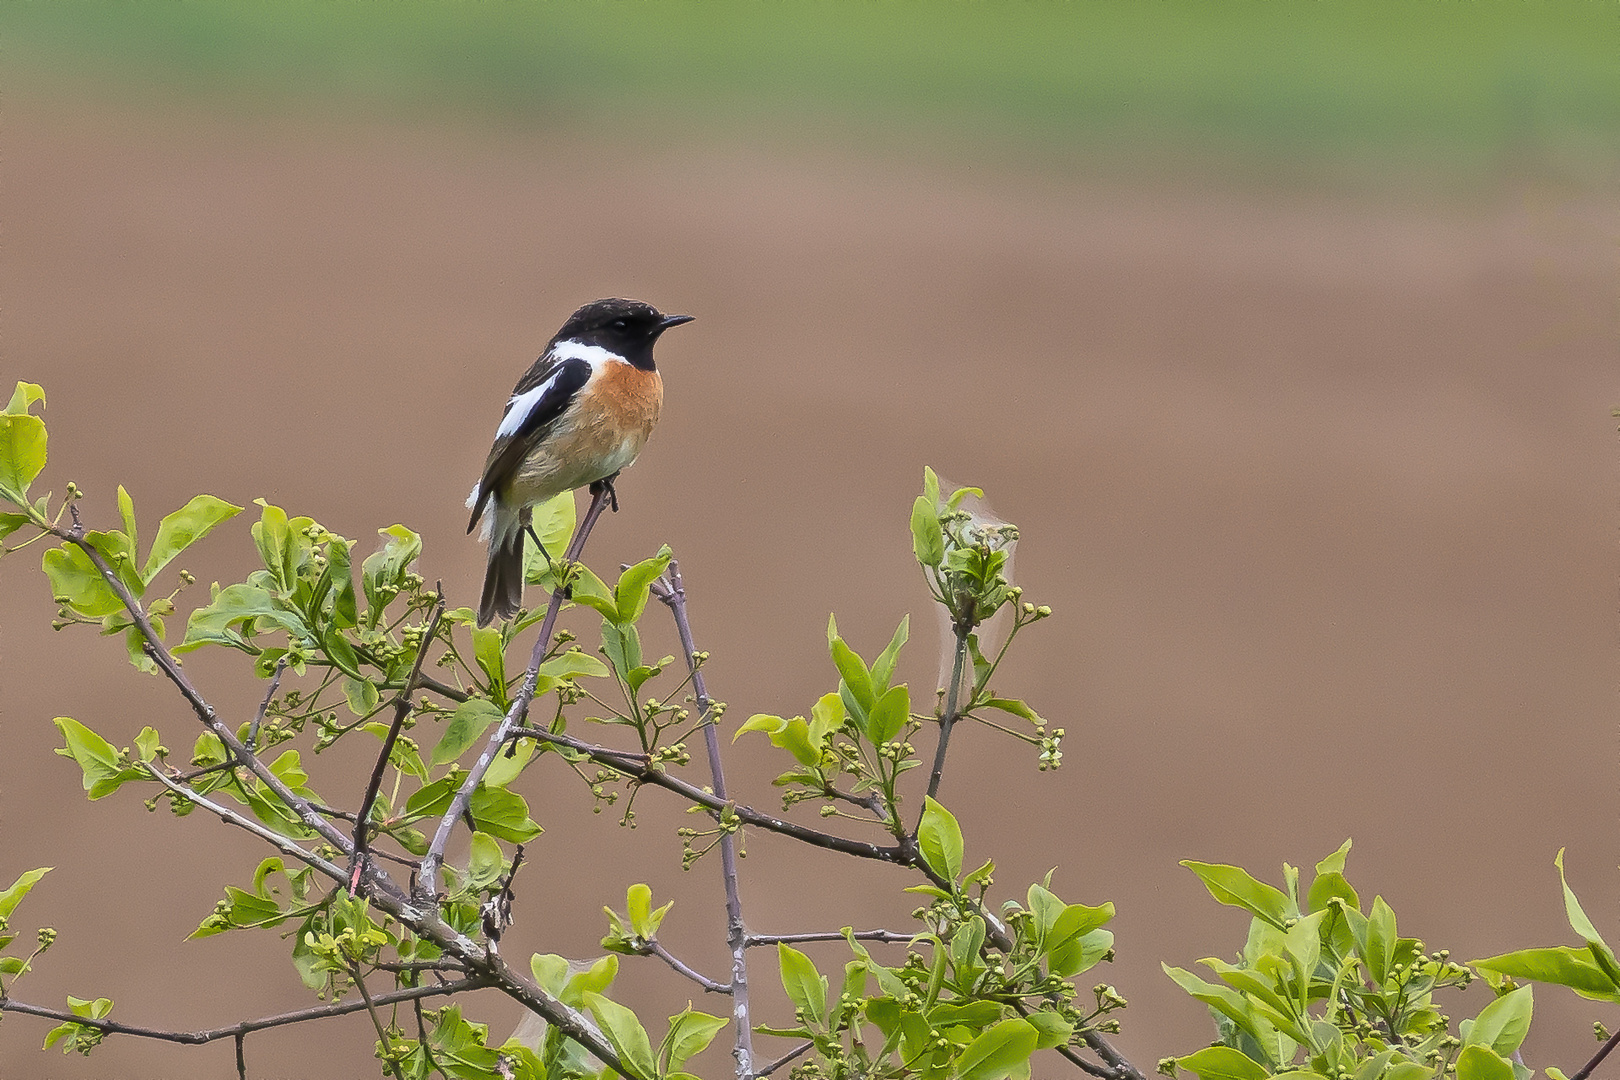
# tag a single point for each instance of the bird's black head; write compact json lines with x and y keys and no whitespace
{"x":627,"y":327}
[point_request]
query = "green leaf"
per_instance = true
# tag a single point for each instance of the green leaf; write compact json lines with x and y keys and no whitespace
{"x":851,"y":667}
{"x":927,"y":538}
{"x":1016,"y":707}
{"x":22,"y":455}
{"x":1076,"y":921}
{"x":10,"y":523}
{"x":625,"y":1032}
{"x":1482,"y":1063}
{"x":889,"y":714}
{"x":96,"y":756}
{"x":361,"y":694}
{"x":621,"y":642}
{"x":1327,"y":885}
{"x":76,"y":582}
{"x":341,"y":653}
{"x":940,"y":838}
{"x":593,"y":592}
{"x":386,"y":569}
{"x":565,"y":667}
{"x":1561,"y":966}
{"x":126,"y":513}
{"x":1050,"y":1028}
{"x":630,"y":596}
{"x":12,"y":896}
{"x":806,"y":987}
{"x":1503,"y":1024}
{"x":1233,"y":886}
{"x":239,"y":605}
{"x":509,"y":763}
{"x":1080,"y":954}
{"x":1380,"y":952}
{"x":470,"y":720}
{"x":489,"y":650}
{"x":1001,"y":1051}
{"x":1222,"y":1063}
{"x":883,"y":666}
{"x":23,"y":398}
{"x":147,"y":743}
{"x":553,"y":523}
{"x":181,"y":529}
{"x":345,"y":607}
{"x":1583,"y":926}
{"x":1334,"y":863}
{"x":504,"y":814}
{"x":690,"y":1033}
{"x":484,"y":864}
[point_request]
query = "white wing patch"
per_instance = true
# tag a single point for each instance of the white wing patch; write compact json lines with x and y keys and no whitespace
{"x":522,"y":405}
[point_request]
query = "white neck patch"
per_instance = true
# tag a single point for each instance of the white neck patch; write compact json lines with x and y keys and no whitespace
{"x":593,"y":355}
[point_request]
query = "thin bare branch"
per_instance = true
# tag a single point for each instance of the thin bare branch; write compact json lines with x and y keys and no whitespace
{"x":672,"y":592}
{"x":635,"y":767}
{"x":264,"y":706}
{"x":952,"y":710}
{"x":428,"y":874}
{"x":246,"y":1027}
{"x":284,"y":844}
{"x":387,"y":1047}
{"x":1597,"y":1058}
{"x":888,"y":937}
{"x":796,"y":1052}
{"x":402,"y":709}
{"x":656,"y":948}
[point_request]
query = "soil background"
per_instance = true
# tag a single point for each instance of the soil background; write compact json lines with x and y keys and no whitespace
{"x":1319,"y":485}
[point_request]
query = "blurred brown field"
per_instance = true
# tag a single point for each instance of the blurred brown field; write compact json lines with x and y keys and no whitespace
{"x":1321,"y":486}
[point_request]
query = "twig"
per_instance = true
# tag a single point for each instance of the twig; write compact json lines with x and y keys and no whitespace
{"x":402,"y":709}
{"x":428,"y":874}
{"x":387,"y":1047}
{"x":785,"y":1058}
{"x":264,"y":706}
{"x":672,"y":592}
{"x":952,"y":710}
{"x":1597,"y":1058}
{"x":888,"y":937}
{"x":231,"y":817}
{"x":635,"y":767}
{"x":655,"y":948}
{"x":246,"y":1027}
{"x":241,"y":1056}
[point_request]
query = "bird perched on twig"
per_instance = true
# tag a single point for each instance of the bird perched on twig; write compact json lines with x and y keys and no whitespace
{"x":580,"y":415}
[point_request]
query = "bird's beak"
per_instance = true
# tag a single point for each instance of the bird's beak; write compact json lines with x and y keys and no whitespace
{"x":674,"y":320}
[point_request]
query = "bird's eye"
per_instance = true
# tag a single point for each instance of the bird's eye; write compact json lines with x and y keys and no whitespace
{"x":619,"y":324}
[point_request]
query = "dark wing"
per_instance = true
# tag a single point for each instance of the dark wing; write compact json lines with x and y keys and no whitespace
{"x":539,"y":398}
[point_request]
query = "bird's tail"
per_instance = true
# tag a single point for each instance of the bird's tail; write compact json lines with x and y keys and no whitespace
{"x":503,"y":578}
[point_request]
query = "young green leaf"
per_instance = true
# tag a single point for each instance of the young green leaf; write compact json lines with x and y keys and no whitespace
{"x":76,"y":582}
{"x":484,"y":864}
{"x":883,"y":666}
{"x":690,"y":1033}
{"x":470,"y":720}
{"x":806,"y":987}
{"x":181,"y":529}
{"x":1001,"y":1051}
{"x":1561,"y":966}
{"x":12,"y":896}
{"x":1583,"y":926}
{"x":1381,"y":938}
{"x":889,"y":714}
{"x":22,"y":455}
{"x":626,"y":1034}
{"x":23,"y":398}
{"x":1222,"y":1063}
{"x":503,"y":814}
{"x":631,"y":594}
{"x":851,"y":667}
{"x":1232,"y":885}
{"x":1503,"y":1024}
{"x":940,"y":838}
{"x":1483,"y":1063}
{"x":927,"y":538}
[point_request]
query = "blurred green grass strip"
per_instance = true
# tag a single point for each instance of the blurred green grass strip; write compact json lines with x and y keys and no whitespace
{"x":1465,"y":81}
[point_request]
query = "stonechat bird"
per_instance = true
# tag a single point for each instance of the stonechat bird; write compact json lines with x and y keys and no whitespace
{"x":580,"y":415}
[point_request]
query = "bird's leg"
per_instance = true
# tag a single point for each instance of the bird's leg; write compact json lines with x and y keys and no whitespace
{"x":606,"y":484}
{"x":526,"y":515}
